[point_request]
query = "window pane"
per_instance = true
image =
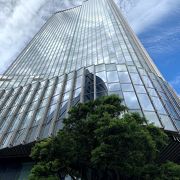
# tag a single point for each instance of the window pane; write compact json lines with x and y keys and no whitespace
{"x":158,"y":105}
{"x":140,"y":89}
{"x":145,"y":102}
{"x":100,"y":67}
{"x":131,"y":100}
{"x":114,"y":87}
{"x":147,"y":82}
{"x":112,"y":76}
{"x":78,"y":82}
{"x":124,"y":77}
{"x":102,"y":75}
{"x":127,"y":87}
{"x":132,"y":69}
{"x":66,"y":96}
{"x":77,"y":92}
{"x":152,"y":92}
{"x":152,"y":118}
{"x":135,"y":78}
{"x":110,"y":67}
{"x":142,"y":72}
{"x":121,"y":68}
{"x":167,"y":123}
{"x":178,"y":124}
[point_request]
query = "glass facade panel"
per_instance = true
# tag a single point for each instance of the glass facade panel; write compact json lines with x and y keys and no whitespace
{"x":131,"y":100}
{"x":80,"y":54}
{"x":114,"y":87}
{"x":136,"y":79}
{"x":127,"y":87}
{"x":168,"y":125}
{"x":152,"y":118}
{"x":102,"y":75}
{"x":112,"y":76}
{"x":145,"y":102}
{"x":124,"y":77}
{"x":140,"y":89}
{"x":158,"y":105}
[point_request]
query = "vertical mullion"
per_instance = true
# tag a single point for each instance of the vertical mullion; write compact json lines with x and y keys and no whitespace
{"x":2,"y":93}
{"x":10,"y":104}
{"x":7,"y":95}
{"x":147,"y":92}
{"x":46,"y":109}
{"x":83,"y":86}
{"x":50,"y":133}
{"x":71,"y":92}
{"x":35,"y":110}
{"x":23,"y":115}
{"x":94,"y":81}
{"x":15,"y":112}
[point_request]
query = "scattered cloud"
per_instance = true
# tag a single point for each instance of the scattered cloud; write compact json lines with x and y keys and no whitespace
{"x":142,"y":14}
{"x":176,"y":83}
{"x":163,"y":40}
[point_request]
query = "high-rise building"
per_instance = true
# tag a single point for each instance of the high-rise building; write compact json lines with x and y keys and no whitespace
{"x":79,"y":54}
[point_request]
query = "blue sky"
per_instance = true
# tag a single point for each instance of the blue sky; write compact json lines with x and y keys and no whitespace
{"x":156,"y":22}
{"x":162,"y":41}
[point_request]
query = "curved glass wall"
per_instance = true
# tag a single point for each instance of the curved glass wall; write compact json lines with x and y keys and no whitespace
{"x":79,"y":55}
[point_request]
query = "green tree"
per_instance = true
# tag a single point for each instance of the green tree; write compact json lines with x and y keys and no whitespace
{"x":100,"y":140}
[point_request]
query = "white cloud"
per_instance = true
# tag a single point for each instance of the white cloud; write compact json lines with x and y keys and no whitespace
{"x":176,"y":81}
{"x":163,"y":40}
{"x":142,"y":14}
{"x":17,"y":26}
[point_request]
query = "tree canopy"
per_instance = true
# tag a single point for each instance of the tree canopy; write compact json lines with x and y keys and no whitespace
{"x":100,"y":140}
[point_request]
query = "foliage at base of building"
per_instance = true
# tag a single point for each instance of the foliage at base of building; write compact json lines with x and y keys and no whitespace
{"x":100,"y":140}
